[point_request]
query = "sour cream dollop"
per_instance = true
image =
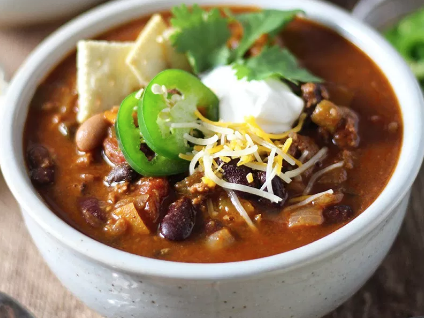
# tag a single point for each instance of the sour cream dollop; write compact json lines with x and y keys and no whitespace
{"x":272,"y":103}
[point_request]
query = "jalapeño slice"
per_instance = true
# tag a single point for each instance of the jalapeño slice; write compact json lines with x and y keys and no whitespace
{"x":172,"y":97}
{"x":130,"y":139}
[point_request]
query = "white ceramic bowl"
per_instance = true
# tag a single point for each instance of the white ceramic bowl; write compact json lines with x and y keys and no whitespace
{"x":24,"y":12}
{"x":303,"y":283}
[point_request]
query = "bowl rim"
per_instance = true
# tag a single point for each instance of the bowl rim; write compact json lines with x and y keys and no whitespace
{"x":52,"y":50}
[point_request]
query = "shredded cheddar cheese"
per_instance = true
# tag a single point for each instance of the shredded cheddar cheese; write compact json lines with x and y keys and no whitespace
{"x":249,"y":145}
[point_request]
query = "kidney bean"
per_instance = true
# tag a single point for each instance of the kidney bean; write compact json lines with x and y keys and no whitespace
{"x":337,"y":214}
{"x":91,"y":133}
{"x":92,"y":212}
{"x":179,"y":221}
{"x":41,"y":164}
{"x":278,"y":188}
{"x":122,"y":172}
{"x":112,"y":151}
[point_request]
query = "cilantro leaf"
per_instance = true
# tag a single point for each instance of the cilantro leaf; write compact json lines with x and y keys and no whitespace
{"x":273,"y":61}
{"x":202,"y":35}
{"x":256,"y":24}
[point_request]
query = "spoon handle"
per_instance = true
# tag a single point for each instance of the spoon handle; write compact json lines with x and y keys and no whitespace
{"x":10,"y":308}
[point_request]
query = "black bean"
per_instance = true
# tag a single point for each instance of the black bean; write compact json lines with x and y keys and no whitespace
{"x":39,"y":157}
{"x":149,"y":153}
{"x":42,"y":176}
{"x":122,"y":172}
{"x":92,"y":212}
{"x":179,"y":221}
{"x":278,"y":188}
{"x":337,"y":214}
{"x":41,"y":164}
{"x":237,"y":174}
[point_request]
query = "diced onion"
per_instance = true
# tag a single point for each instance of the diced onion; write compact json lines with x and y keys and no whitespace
{"x":306,"y":216}
{"x":240,"y":209}
{"x":318,"y":174}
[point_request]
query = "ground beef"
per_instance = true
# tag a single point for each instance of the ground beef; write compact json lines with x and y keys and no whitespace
{"x":147,"y":195}
{"x":301,"y":144}
{"x":347,"y":135}
{"x":341,"y":123}
{"x":194,"y":188}
{"x":156,"y":190}
{"x":348,"y":158}
{"x":313,"y":93}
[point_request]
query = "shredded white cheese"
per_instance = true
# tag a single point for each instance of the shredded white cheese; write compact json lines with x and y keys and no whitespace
{"x":318,"y":174}
{"x":194,"y":161}
{"x":318,"y":156}
{"x":269,"y":168}
{"x":308,"y":200}
{"x":240,"y":209}
{"x":201,"y":141}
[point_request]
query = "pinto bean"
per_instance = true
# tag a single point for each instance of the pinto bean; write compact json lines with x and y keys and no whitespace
{"x":122,"y":172}
{"x":179,"y":221}
{"x":41,"y":164}
{"x":337,"y":214}
{"x":278,"y":188}
{"x":91,"y":133}
{"x":92,"y":212}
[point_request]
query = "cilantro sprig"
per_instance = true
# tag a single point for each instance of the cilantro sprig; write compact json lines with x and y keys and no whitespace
{"x":273,"y":61}
{"x":203,"y":36}
{"x":256,"y":24}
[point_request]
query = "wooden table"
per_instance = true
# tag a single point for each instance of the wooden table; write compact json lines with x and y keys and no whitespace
{"x":395,"y":291}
